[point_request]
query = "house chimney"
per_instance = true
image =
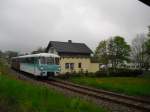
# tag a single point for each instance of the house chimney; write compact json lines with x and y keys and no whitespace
{"x":69,"y":41}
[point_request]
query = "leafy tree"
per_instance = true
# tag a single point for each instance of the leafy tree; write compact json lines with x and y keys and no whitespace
{"x":147,"y":49}
{"x":149,"y":31}
{"x":9,"y":54}
{"x":138,"y":48}
{"x":119,"y":51}
{"x":101,"y":52}
{"x":111,"y":53}
{"x":1,"y":54}
{"x":147,"y":44}
{"x":38,"y":50}
{"x":114,"y":51}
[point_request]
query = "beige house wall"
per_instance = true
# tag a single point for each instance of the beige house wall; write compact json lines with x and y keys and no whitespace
{"x":94,"y":67}
{"x":86,"y":64}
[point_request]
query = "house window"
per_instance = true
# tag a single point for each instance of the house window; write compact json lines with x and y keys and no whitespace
{"x":67,"y":65}
{"x":71,"y":66}
{"x":79,"y":65}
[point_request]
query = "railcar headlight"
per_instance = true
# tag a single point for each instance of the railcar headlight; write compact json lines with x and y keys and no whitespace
{"x":42,"y":68}
{"x":59,"y":68}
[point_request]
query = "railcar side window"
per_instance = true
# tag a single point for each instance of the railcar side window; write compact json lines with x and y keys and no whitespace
{"x":23,"y":60}
{"x":32,"y":60}
{"x":36,"y":60}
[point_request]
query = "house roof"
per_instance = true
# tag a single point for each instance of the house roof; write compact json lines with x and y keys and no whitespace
{"x":69,"y":47}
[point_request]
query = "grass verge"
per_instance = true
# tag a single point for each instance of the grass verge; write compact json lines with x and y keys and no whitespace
{"x":20,"y":96}
{"x":137,"y":86}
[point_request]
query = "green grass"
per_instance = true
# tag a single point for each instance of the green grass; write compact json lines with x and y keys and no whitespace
{"x":21,"y":96}
{"x":137,"y":86}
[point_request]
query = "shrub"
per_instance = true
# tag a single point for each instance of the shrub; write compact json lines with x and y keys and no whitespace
{"x":118,"y":72}
{"x":64,"y":76}
{"x":121,"y":72}
{"x":101,"y":73}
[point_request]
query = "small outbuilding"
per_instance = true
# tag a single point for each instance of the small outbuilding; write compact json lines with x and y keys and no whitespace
{"x":74,"y":57}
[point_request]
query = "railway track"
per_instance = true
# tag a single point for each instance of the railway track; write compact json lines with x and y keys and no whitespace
{"x":133,"y":102}
{"x":129,"y":101}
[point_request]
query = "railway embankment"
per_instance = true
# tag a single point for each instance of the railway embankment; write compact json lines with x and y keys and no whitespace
{"x":74,"y":94}
{"x":25,"y":96}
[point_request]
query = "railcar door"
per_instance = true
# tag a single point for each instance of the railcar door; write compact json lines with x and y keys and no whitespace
{"x":37,"y":66}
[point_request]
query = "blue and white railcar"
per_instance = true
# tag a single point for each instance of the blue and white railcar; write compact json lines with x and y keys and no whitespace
{"x":42,"y":64}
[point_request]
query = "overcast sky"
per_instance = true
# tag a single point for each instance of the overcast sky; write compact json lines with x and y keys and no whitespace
{"x":28,"y":24}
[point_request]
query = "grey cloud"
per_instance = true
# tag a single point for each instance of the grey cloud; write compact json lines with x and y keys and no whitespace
{"x":28,"y":24}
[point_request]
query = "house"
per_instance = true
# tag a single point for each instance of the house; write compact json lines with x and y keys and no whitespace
{"x":75,"y":57}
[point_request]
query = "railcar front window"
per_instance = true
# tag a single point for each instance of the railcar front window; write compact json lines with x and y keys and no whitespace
{"x":43,"y":60}
{"x":50,"y":60}
{"x":57,"y":61}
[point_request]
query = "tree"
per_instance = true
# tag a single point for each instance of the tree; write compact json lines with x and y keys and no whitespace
{"x":147,"y":48}
{"x":111,"y":53}
{"x":114,"y":51}
{"x":119,"y":51}
{"x":1,"y":54}
{"x":101,"y":52}
{"x":149,"y":31}
{"x":138,"y":55}
{"x":38,"y":50}
{"x":147,"y":43}
{"x":9,"y":54}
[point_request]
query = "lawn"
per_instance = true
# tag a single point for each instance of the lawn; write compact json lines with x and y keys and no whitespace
{"x":137,"y":86}
{"x":21,"y":96}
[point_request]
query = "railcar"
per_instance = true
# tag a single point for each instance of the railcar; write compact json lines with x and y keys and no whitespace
{"x":40,"y":65}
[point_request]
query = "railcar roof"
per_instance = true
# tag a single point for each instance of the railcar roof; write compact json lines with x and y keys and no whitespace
{"x":38,"y":55}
